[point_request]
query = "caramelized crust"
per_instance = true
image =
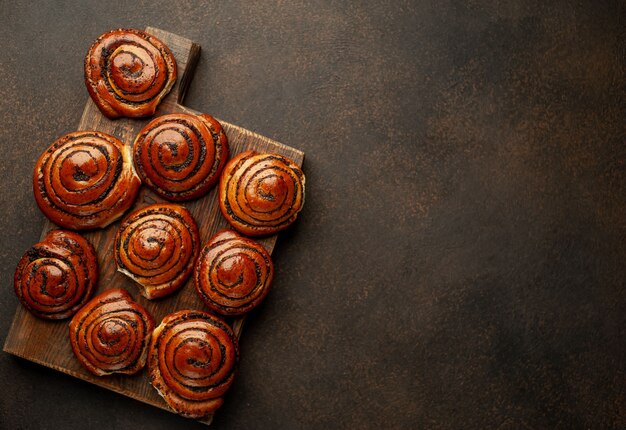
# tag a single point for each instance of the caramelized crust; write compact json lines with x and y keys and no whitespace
{"x":57,"y":275}
{"x":157,"y":247}
{"x":180,"y":156}
{"x":85,"y":180}
{"x":128,"y":72}
{"x":192,"y":361}
{"x":261,"y":194}
{"x":233,"y":273}
{"x":111,"y":334}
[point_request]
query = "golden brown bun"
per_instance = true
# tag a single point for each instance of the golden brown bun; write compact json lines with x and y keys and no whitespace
{"x":192,"y":361}
{"x":128,"y":72}
{"x":111,"y":334}
{"x":261,"y":194}
{"x":233,"y":273}
{"x":157,"y":246}
{"x":85,"y":180}
{"x":57,"y":275}
{"x":181,"y":156}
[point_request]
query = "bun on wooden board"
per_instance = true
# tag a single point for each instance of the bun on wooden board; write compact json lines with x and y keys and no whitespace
{"x":192,"y":361}
{"x":261,"y":194}
{"x":180,"y":156}
{"x":233,"y":273}
{"x":85,"y":180}
{"x":111,"y":334}
{"x":157,"y":247}
{"x":56,"y":276}
{"x":128,"y":72}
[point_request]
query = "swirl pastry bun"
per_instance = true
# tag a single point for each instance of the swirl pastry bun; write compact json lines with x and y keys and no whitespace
{"x":85,"y":180}
{"x":192,"y":361}
{"x":57,"y":275}
{"x":157,"y":247}
{"x":233,"y":273}
{"x":111,"y":334}
{"x":128,"y":72}
{"x":261,"y":194}
{"x":180,"y":156}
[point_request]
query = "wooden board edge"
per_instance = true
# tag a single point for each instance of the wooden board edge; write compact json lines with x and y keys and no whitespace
{"x":9,"y":341}
{"x":251,"y":134}
{"x":265,"y":138}
{"x":185,"y":80}
{"x":130,"y":394}
{"x":194,"y":56}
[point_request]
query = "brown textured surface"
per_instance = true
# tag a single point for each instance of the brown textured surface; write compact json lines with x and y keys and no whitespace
{"x":459,"y":262}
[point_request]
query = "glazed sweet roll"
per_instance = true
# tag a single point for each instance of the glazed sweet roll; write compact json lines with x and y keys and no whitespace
{"x":261,"y":194}
{"x":111,"y":334}
{"x":85,"y":180}
{"x":192,"y":361}
{"x":128,"y":72}
{"x":157,"y":247}
{"x":180,"y":156}
{"x":57,"y":275}
{"x":233,"y":273}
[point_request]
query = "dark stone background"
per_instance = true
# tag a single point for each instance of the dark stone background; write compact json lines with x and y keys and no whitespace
{"x":460,"y":262}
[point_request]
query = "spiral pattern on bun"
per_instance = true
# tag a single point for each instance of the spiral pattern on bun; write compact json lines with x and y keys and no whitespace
{"x":192,"y":361}
{"x":111,"y":334}
{"x":128,"y":72}
{"x":233,"y":274}
{"x":85,"y":180}
{"x":261,"y":194}
{"x":157,"y":247}
{"x":180,"y":156}
{"x":57,"y":275}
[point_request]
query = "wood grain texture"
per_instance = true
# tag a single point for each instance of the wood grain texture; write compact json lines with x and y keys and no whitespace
{"x":47,"y":343}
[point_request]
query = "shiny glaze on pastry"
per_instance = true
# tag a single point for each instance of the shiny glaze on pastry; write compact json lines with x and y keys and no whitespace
{"x":85,"y":180}
{"x":192,"y":361}
{"x":157,"y":247}
{"x":180,"y":156}
{"x":111,"y":334}
{"x":261,"y":194}
{"x":128,"y":72}
{"x":233,"y":273}
{"x":56,"y":276}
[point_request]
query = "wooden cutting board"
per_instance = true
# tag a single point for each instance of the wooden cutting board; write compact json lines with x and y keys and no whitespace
{"x":47,"y":342}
